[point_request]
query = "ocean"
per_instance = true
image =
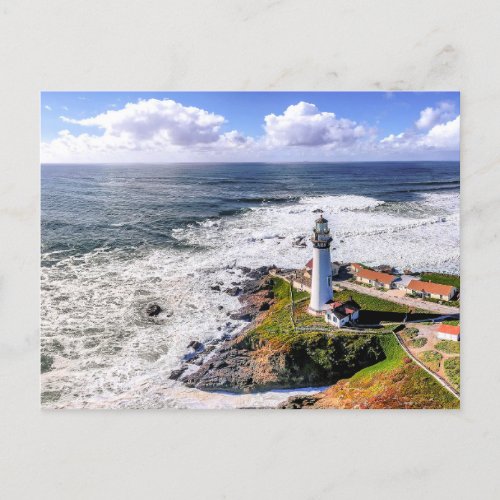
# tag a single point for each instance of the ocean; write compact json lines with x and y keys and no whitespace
{"x":118,"y":237}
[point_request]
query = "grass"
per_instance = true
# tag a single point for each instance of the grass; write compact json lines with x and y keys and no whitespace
{"x":448,"y":346}
{"x":452,"y":370}
{"x":394,"y":382}
{"x":375,"y":310}
{"x":418,"y":342}
{"x":443,"y":279}
{"x":394,"y":357}
{"x":431,"y":359}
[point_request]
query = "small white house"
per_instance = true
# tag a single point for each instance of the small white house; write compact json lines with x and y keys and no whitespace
{"x":341,"y":313}
{"x":448,"y":332}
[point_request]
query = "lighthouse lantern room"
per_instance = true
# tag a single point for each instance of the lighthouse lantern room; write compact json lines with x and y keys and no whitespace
{"x":321,"y":282}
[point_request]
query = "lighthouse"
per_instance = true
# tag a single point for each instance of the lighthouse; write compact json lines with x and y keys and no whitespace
{"x":321,"y":282}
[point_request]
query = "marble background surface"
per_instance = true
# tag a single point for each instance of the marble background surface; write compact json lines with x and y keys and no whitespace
{"x":238,"y":45}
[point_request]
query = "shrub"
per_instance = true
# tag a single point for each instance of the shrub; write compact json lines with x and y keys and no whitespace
{"x":418,"y":342}
{"x":432,"y":359}
{"x":448,"y":346}
{"x":452,"y":370}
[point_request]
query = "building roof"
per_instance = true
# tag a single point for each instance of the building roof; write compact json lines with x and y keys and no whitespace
{"x":368,"y":274}
{"x":406,"y":278}
{"x":310,"y":262}
{"x":342,"y":309}
{"x":429,"y":287}
{"x":449,"y":329}
{"x":357,"y":265}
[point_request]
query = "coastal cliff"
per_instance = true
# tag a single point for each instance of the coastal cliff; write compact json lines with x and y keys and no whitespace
{"x":269,"y":354}
{"x":362,"y":370}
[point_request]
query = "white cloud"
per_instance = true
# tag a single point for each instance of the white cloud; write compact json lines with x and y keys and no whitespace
{"x":148,"y":126}
{"x":154,"y":121}
{"x":393,"y":138}
{"x":47,"y":107}
{"x":429,"y":117}
{"x":303,"y":124}
{"x":165,"y":130}
{"x":443,"y":137}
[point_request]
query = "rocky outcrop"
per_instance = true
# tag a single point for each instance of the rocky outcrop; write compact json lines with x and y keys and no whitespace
{"x":248,"y":364}
{"x":153,"y":310}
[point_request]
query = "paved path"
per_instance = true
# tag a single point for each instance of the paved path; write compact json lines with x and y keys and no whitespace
{"x":406,"y":301}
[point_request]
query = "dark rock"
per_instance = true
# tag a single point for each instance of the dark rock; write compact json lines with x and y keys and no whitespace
{"x":175,"y":374}
{"x":307,"y":362}
{"x":269,"y":295}
{"x":220,"y":308}
{"x":242,"y":316}
{"x":245,"y":270}
{"x":233,"y":291}
{"x":235,"y":283}
{"x":299,"y":402}
{"x":264,"y":306}
{"x":215,"y":288}
{"x":153,"y":310}
{"x":195,"y":345}
{"x":317,"y":211}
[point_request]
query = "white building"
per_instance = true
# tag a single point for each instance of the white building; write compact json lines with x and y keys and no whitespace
{"x":321,"y":280}
{"x":448,"y":332}
{"x":341,"y":313}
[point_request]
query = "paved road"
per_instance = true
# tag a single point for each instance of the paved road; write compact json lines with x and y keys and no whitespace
{"x":406,"y":301}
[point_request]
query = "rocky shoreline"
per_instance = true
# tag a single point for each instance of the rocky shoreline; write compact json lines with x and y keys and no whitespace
{"x":249,"y":363}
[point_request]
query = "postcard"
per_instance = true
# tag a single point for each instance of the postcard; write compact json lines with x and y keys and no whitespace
{"x":223,"y":250}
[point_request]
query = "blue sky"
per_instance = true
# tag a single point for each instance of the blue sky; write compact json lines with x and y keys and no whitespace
{"x":84,"y":127}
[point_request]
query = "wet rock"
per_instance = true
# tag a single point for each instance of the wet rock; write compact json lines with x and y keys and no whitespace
{"x":317,"y":211}
{"x":233,"y":291}
{"x":220,"y":308}
{"x":194,"y":344}
{"x":235,"y":283}
{"x":153,"y":310}
{"x":264,"y":306}
{"x":175,"y":374}
{"x":299,"y":402}
{"x":242,"y":316}
{"x":215,"y":288}
{"x":299,"y":241}
{"x":245,"y":270}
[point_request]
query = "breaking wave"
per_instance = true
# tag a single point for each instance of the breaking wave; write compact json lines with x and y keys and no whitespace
{"x":109,"y":354}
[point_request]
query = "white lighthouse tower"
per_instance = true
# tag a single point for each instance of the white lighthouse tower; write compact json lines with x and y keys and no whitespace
{"x":321,"y":283}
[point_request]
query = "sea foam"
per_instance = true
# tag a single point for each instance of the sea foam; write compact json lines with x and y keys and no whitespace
{"x":109,"y":354}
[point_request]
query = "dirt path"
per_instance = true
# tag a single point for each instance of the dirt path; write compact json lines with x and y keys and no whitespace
{"x":407,"y":301}
{"x":435,"y":375}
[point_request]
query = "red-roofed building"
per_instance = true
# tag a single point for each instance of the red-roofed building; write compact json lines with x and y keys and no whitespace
{"x":432,"y":290}
{"x":376,"y":279}
{"x":448,"y":332}
{"x":341,"y":313}
{"x":355,"y":267}
{"x":309,"y":267}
